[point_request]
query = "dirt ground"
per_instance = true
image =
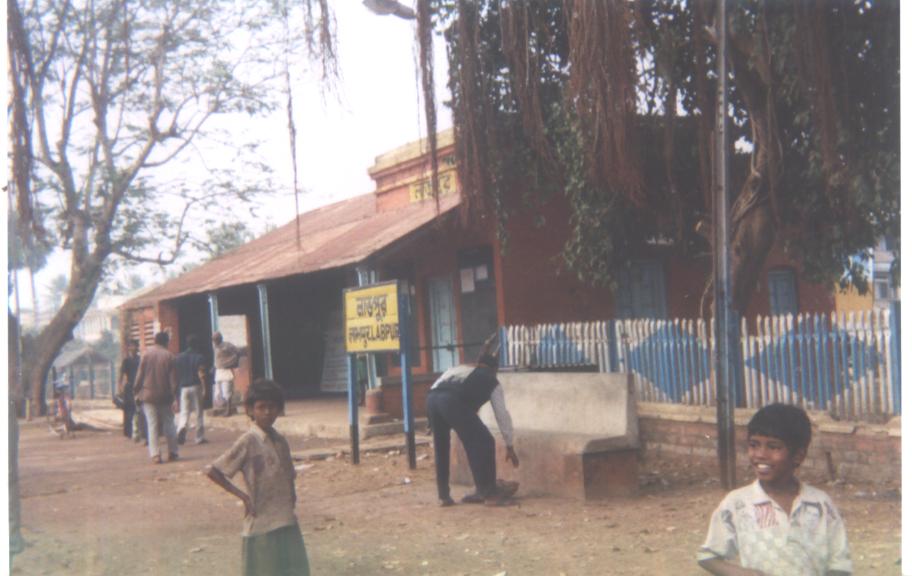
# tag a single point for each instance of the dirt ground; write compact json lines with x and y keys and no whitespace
{"x":94,"y":505}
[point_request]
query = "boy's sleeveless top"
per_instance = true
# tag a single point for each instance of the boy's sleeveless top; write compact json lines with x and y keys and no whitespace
{"x":473,"y":385}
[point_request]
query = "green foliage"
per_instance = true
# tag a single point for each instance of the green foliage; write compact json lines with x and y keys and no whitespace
{"x":815,"y":101}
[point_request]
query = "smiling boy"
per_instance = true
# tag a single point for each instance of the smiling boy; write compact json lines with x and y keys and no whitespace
{"x":777,"y":525}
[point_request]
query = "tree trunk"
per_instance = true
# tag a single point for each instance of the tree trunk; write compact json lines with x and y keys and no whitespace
{"x":83,"y":283}
{"x":35,"y":307}
{"x":16,"y":543}
{"x":751,"y":242}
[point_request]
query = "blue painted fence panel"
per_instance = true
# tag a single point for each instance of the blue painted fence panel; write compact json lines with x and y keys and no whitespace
{"x":848,"y":366}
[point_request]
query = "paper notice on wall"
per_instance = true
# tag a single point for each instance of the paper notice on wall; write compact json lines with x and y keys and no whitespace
{"x":481,"y":273}
{"x":467,"y":279}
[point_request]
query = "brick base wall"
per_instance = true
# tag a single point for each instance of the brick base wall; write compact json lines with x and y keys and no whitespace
{"x":391,"y":395}
{"x":846,"y":451}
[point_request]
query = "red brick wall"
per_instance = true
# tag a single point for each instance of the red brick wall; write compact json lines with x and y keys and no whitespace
{"x":849,"y":451}
{"x":391,"y":399}
{"x":533,"y":288}
{"x":536,"y":288}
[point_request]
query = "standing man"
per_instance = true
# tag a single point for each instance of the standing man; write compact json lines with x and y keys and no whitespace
{"x":227,"y":359}
{"x":156,"y":388}
{"x":453,"y":404}
{"x":128,"y":368}
{"x":189,"y":363}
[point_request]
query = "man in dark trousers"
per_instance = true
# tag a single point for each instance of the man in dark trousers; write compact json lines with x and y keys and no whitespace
{"x":128,"y":368}
{"x":453,"y":404}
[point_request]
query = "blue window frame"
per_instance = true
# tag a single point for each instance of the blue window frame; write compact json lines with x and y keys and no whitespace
{"x":641,"y":291}
{"x":783,"y":292}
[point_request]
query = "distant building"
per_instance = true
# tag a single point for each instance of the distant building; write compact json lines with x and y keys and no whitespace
{"x":884,"y":289}
{"x":103,"y":316}
{"x":32,"y":323}
{"x":881,"y":290}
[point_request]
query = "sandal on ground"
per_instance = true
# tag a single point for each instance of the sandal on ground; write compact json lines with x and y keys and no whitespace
{"x":156,"y":459}
{"x":172,"y":457}
{"x":446,"y":502}
{"x":499,"y":500}
{"x":474,"y":498}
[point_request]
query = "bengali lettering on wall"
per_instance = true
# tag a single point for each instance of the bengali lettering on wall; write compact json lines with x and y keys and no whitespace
{"x":422,"y":189}
{"x":372,"y":318}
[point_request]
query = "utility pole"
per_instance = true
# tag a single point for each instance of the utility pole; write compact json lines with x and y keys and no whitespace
{"x":726,"y":358}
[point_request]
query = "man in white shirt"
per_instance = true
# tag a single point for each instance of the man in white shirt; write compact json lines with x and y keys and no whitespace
{"x":453,"y":404}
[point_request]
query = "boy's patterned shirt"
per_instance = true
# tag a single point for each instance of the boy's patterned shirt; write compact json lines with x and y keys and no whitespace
{"x":751,"y":525}
{"x":265,"y":460}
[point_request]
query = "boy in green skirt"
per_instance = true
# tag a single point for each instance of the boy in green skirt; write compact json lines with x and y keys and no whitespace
{"x":272,"y":542}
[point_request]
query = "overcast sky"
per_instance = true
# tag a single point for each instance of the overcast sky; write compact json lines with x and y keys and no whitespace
{"x":338,"y":137}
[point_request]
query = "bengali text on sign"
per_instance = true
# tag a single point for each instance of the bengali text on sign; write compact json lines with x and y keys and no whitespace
{"x":372,"y":318}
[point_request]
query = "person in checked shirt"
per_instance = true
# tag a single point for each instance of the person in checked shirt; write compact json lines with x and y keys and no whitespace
{"x":777,"y":525}
{"x":272,"y":544}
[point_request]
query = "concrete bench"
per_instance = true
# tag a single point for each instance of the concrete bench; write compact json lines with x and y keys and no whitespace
{"x":576,"y":435}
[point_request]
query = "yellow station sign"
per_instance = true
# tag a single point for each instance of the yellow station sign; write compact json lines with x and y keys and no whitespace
{"x":372,"y":318}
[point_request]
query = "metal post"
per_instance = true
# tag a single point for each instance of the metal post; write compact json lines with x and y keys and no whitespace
{"x":91,"y":380}
{"x":726,"y":323}
{"x":406,"y":368}
{"x":213,"y":311}
{"x":895,"y":357}
{"x":113,"y":380}
{"x":72,"y":382}
{"x":263,"y":294}
{"x":353,"y":408}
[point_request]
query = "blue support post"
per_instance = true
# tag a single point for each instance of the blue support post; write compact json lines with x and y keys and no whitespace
{"x":72,"y":382}
{"x":91,"y":380}
{"x":213,"y":312}
{"x":353,"y":409}
{"x":505,"y":346}
{"x":113,"y":381}
{"x":406,"y":369}
{"x":263,"y":297}
{"x":895,"y":360}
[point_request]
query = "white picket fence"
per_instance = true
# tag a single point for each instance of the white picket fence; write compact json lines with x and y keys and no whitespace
{"x":847,"y":364}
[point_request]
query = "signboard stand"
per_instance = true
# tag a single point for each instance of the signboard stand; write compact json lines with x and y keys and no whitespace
{"x":406,"y":367}
{"x":353,"y":409}
{"x":377,"y":320}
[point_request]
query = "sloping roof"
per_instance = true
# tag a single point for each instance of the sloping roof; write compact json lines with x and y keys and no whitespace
{"x":333,"y":236}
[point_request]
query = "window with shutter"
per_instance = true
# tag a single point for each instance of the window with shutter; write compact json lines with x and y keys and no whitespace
{"x":641,"y":291}
{"x":783,"y":292}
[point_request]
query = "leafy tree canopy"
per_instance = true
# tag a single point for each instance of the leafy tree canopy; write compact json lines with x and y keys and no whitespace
{"x":111,"y":102}
{"x":612,"y":105}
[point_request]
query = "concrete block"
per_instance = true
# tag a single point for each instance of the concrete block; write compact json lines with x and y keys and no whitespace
{"x":576,"y":435}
